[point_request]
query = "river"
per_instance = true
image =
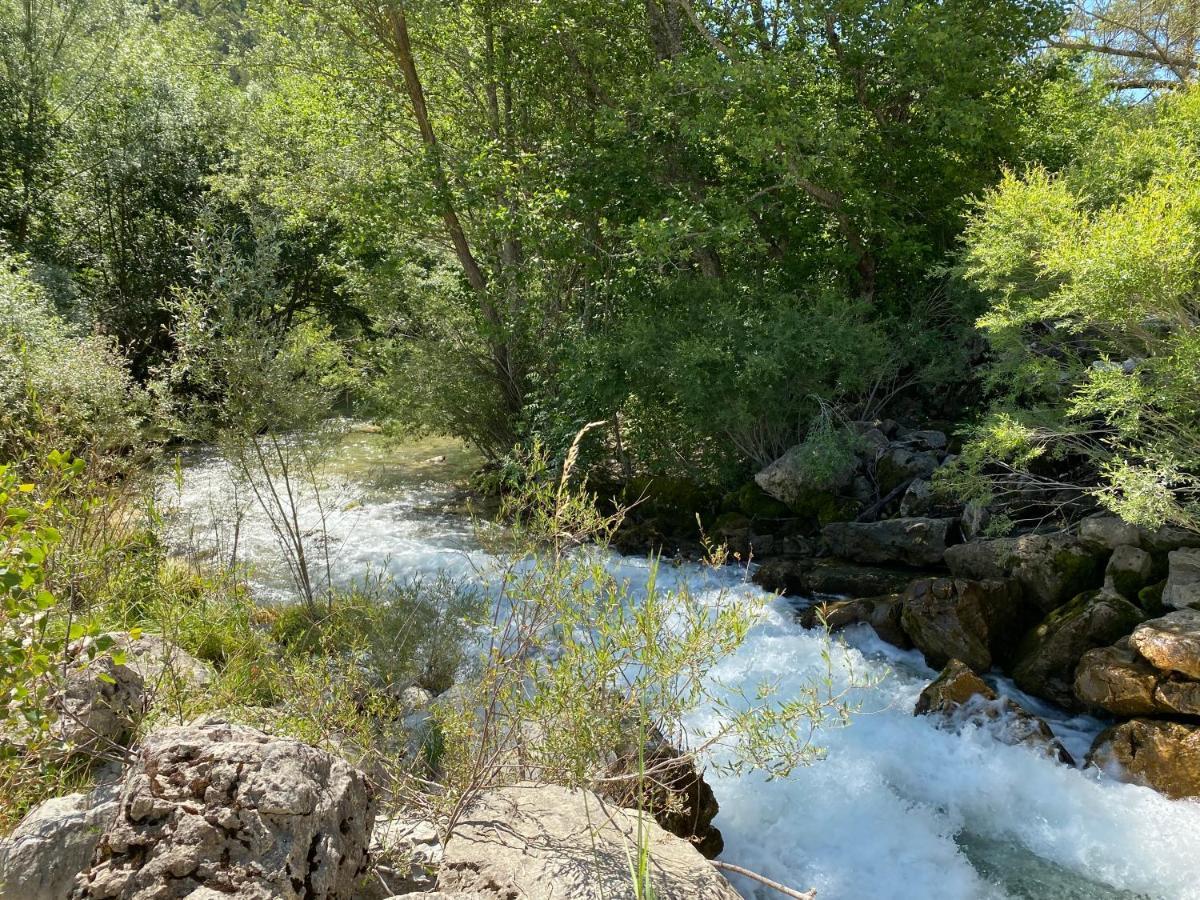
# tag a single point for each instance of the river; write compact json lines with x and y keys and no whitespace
{"x":897,"y":810}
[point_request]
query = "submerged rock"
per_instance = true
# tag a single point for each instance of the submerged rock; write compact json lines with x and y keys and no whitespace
{"x":1171,"y":643}
{"x":1050,"y":568}
{"x":1158,"y":754}
{"x":959,"y":697}
{"x":1047,"y":658}
{"x":907,"y":542}
{"x":223,"y":809}
{"x":538,"y":842}
{"x":53,"y":844}
{"x":977,"y":622}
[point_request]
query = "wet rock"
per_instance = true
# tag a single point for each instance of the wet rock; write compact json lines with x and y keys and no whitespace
{"x":907,"y":542}
{"x":1128,"y":571}
{"x":676,"y":795}
{"x":222,"y":809}
{"x":1171,"y":643}
{"x":1118,"y":681}
{"x":1183,"y":579}
{"x":53,"y":844}
{"x":1050,"y":568}
{"x":881,"y":613}
{"x":977,"y":622}
{"x":537,"y":842}
{"x":1047,"y":658}
{"x":959,"y":697}
{"x":805,"y":577}
{"x":1158,"y":754}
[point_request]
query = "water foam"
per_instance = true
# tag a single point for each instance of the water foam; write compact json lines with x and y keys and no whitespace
{"x":899,"y":809}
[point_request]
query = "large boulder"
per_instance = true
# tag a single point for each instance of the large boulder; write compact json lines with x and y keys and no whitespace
{"x":217,"y":810}
{"x":1158,"y":754}
{"x":959,"y":697}
{"x":53,"y":844}
{"x":977,"y":622}
{"x":795,"y":480}
{"x":1171,"y":643}
{"x":908,"y":542}
{"x":538,"y":842}
{"x":1117,"y":681}
{"x":1183,"y":579}
{"x":1110,"y":532}
{"x":1050,"y":568}
{"x":881,"y":613}
{"x":1048,"y":655}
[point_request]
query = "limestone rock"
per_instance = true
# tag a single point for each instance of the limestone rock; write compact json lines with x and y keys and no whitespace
{"x":405,"y":854}
{"x":98,"y":706}
{"x":958,"y":697}
{"x":1171,"y":643}
{"x":977,"y":622}
{"x":908,"y":542}
{"x":1047,"y":658}
{"x":228,"y":811}
{"x":159,"y":662}
{"x":1157,"y":754}
{"x":1183,"y":579}
{"x":53,"y":844}
{"x":790,"y":480}
{"x":899,"y":463}
{"x":1050,"y":568}
{"x":531,"y":842}
{"x":1128,"y":571}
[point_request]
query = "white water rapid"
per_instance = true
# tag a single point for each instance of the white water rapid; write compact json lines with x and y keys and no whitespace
{"x":899,"y":810}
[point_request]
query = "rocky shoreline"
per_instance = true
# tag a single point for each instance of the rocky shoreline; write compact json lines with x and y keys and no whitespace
{"x":1100,"y":617}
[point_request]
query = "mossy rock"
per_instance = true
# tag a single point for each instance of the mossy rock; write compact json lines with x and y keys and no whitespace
{"x":1150,"y":598}
{"x":753,"y":501}
{"x":824,"y":507}
{"x":672,"y":502}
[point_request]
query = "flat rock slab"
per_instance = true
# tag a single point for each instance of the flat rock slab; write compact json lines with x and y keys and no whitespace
{"x":1171,"y":643}
{"x":908,"y":542}
{"x":532,"y":842}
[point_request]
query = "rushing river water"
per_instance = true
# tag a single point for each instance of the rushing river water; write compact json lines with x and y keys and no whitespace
{"x":899,"y":810}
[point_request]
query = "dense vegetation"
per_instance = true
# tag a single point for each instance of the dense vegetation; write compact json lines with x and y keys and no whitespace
{"x":712,"y":229}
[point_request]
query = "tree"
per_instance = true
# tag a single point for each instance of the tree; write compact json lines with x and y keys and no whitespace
{"x":1092,"y":278}
{"x":1142,"y":45}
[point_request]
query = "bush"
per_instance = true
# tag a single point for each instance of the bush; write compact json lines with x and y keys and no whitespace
{"x":59,"y":389}
{"x":1092,"y":276}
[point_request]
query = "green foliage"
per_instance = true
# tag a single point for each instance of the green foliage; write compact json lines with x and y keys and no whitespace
{"x":1092,"y":276}
{"x":59,"y":388}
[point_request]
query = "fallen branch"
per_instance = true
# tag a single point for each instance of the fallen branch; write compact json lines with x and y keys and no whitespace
{"x":762,"y":879}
